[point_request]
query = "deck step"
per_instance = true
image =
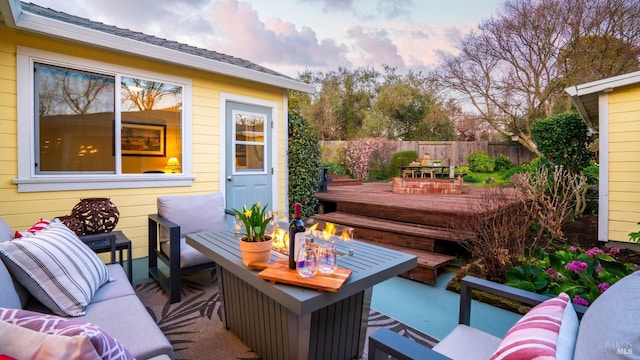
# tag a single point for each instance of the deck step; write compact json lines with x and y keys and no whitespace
{"x":398,"y":229}
{"x":428,"y":263}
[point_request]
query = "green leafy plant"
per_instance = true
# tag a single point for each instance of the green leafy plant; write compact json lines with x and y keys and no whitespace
{"x":584,"y":275}
{"x":304,"y":165}
{"x":401,"y":158}
{"x":481,"y":162}
{"x":471,"y":179}
{"x":255,"y":222}
{"x":563,"y":140}
{"x":503,"y":162}
{"x":592,"y":172}
{"x":635,"y":236}
{"x":333,"y":168}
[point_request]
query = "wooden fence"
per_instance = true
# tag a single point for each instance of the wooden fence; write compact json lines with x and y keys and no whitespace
{"x":455,"y":152}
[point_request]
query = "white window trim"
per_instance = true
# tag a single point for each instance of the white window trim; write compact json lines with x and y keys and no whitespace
{"x":28,"y":181}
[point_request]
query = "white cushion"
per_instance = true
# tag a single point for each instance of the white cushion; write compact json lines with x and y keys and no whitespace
{"x":568,"y":333}
{"x":610,"y":328}
{"x":31,"y":335}
{"x":57,"y":268}
{"x":22,"y":343}
{"x":465,"y":342}
{"x":194,"y":213}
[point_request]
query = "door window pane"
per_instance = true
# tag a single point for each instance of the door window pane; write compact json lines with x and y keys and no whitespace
{"x":75,"y":120}
{"x":249,"y":141}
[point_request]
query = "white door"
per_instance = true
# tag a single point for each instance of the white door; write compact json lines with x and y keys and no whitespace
{"x":248,"y":166}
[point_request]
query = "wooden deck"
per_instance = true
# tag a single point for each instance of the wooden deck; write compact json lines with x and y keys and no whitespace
{"x":424,"y":225}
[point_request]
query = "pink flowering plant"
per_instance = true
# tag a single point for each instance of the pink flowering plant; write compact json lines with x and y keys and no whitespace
{"x":359,"y":153}
{"x":584,"y":275}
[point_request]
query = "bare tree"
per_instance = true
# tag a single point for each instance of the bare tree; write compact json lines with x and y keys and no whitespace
{"x":514,"y":68}
{"x":146,"y":95}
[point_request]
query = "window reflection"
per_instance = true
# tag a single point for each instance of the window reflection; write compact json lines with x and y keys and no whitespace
{"x":75,"y":121}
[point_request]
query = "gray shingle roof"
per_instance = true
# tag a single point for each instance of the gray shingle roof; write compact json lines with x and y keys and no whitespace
{"x":149,"y":39}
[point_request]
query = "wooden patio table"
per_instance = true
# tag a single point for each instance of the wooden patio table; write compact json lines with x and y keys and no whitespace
{"x":288,"y":322}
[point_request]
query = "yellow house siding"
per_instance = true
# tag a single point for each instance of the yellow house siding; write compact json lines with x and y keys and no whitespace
{"x":21,"y":210}
{"x":624,"y":162}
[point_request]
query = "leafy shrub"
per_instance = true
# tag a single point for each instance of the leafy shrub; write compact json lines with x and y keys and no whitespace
{"x":401,"y":158}
{"x":304,"y":164}
{"x":592,"y":172}
{"x":584,"y":275}
{"x":359,"y":154}
{"x":503,"y":162}
{"x":462,"y":169}
{"x":380,"y":176}
{"x":563,"y":139}
{"x":333,"y":168}
{"x":471,"y":179}
{"x":481,"y":162}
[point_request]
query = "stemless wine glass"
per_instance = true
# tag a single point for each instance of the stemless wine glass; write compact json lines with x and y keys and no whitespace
{"x":307,"y":260}
{"x":327,"y":258}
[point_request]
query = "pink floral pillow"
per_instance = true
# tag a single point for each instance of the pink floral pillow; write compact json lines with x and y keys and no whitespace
{"x":535,"y":335}
{"x":104,"y":344}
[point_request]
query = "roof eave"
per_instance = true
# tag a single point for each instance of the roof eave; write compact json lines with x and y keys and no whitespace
{"x":31,"y":22}
{"x":604,"y":84}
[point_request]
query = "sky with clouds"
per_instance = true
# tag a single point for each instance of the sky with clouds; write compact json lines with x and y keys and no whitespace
{"x":291,"y":36}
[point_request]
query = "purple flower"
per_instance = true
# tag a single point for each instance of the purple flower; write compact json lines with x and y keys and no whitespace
{"x":614,"y":250}
{"x":580,"y":301}
{"x":603,"y":287}
{"x":598,"y":268}
{"x":594,"y":251}
{"x":552,"y":273}
{"x":577,"y":266}
{"x":572,"y":248}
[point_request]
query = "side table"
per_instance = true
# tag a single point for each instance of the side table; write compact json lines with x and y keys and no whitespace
{"x":112,"y":242}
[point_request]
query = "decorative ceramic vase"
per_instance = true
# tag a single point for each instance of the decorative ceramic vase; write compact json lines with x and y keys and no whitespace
{"x":255,"y":252}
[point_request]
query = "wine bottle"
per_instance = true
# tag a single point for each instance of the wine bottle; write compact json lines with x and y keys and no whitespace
{"x":296,"y":233}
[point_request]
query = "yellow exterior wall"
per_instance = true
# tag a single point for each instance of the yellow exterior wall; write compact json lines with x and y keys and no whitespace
{"x":21,"y":210}
{"x":624,"y":162}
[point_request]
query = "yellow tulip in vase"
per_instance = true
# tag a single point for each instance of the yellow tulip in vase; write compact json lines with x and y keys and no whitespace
{"x":254,"y":244}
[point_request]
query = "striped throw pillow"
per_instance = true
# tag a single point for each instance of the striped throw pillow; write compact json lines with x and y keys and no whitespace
{"x":535,"y":335}
{"x":57,"y":268}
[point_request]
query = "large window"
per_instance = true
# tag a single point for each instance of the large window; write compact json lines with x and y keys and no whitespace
{"x":103,"y":125}
{"x":75,"y":121}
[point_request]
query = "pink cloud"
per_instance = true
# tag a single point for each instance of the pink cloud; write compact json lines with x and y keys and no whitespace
{"x":377,"y":47}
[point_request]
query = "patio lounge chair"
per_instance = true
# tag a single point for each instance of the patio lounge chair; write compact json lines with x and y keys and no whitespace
{"x":176,"y":217}
{"x":609,"y":328}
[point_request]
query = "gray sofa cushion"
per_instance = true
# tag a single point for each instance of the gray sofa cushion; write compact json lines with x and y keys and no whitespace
{"x":120,"y":286}
{"x":8,"y":296}
{"x":457,"y":343}
{"x":611,"y":326}
{"x":126,"y":319}
{"x":5,"y":231}
{"x":188,"y":255}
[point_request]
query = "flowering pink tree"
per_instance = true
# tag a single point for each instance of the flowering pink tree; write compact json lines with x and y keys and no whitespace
{"x":359,"y":153}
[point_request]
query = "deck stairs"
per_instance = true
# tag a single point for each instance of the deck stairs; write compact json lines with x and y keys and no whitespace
{"x":387,"y":223}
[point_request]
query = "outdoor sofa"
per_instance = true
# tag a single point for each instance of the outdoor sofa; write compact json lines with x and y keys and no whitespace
{"x":73,"y":305}
{"x":608,"y":328}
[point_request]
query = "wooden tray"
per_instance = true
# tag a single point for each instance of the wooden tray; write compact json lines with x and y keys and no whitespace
{"x":279,"y":272}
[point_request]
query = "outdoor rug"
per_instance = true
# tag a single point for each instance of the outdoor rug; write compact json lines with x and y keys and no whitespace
{"x":194,"y":326}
